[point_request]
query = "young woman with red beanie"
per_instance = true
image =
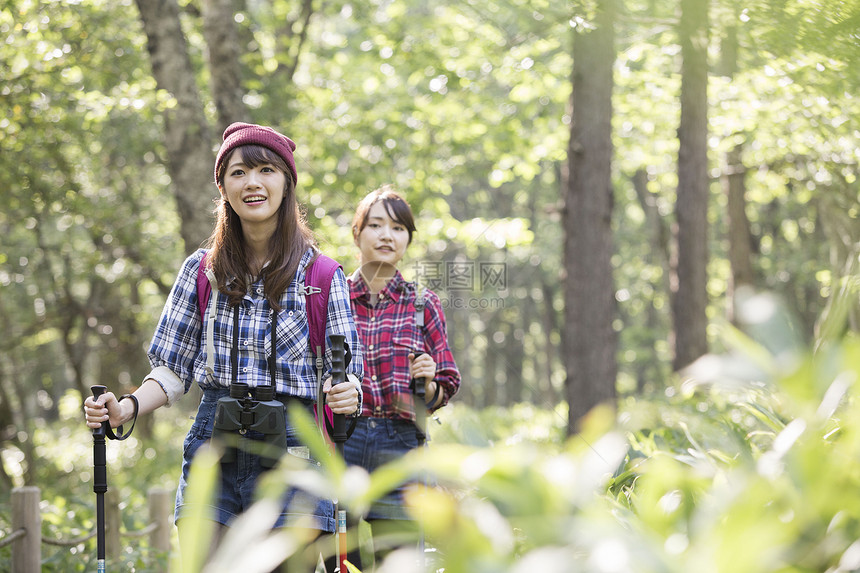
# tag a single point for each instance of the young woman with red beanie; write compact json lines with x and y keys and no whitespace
{"x":257,"y":333}
{"x":397,"y":348}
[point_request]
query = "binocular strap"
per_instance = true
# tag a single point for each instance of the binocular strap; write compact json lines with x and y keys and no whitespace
{"x":234,"y":351}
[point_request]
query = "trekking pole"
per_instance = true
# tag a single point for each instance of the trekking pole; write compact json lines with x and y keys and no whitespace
{"x":100,"y":468}
{"x":339,"y":437}
{"x":100,"y":481}
{"x":419,"y":389}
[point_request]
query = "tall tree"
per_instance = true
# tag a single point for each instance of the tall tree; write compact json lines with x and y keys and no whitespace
{"x":689,"y":285}
{"x":187,"y":134}
{"x":739,"y":236}
{"x":589,"y":339}
{"x":657,"y":237}
{"x":225,"y":69}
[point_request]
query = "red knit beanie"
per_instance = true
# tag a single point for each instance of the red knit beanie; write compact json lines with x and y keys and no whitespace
{"x":249,"y":134}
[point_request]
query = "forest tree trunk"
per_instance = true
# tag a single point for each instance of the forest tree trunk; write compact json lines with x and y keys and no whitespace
{"x":190,"y":156}
{"x":659,"y":255}
{"x":490,"y":395}
{"x":689,"y":286}
{"x":515,"y":355}
{"x":589,"y":343}
{"x":225,"y":69}
{"x":291,"y":41}
{"x":549,"y":324}
{"x":740,"y":237}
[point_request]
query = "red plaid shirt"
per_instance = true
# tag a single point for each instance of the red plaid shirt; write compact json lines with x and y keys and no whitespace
{"x":388,"y":334}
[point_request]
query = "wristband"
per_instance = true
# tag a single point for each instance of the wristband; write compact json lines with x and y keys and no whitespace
{"x":432,"y":402}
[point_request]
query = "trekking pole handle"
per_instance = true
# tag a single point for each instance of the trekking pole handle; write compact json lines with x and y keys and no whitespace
{"x":419,"y":383}
{"x":99,"y":455}
{"x":338,"y":375}
{"x":102,"y":430}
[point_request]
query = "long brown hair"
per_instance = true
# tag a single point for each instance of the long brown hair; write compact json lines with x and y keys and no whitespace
{"x":292,"y":237}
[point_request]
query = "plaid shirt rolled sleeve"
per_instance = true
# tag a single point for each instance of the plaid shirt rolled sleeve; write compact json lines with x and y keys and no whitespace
{"x":176,"y":341}
{"x":389,"y":333}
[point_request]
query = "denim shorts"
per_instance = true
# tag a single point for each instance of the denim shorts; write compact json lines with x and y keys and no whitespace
{"x":239,"y":478}
{"x":374,"y":442}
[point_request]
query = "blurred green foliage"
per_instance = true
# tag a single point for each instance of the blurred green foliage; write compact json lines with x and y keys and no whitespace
{"x":747,"y":463}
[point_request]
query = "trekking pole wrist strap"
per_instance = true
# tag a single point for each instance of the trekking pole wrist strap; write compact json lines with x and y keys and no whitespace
{"x":436,"y":393}
{"x":119,"y":435}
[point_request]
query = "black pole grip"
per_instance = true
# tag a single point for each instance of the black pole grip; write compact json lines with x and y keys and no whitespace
{"x":98,"y":390}
{"x":338,"y":375}
{"x":99,"y":457}
{"x":419,"y":384}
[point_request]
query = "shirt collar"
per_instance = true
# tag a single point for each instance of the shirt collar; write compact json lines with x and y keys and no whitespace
{"x":300,"y":272}
{"x":395,"y":287}
{"x":303,"y":264}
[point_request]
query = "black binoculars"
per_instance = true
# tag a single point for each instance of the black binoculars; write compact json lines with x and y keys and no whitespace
{"x":251,"y":409}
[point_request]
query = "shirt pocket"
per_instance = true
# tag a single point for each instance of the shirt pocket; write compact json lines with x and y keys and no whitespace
{"x":291,"y":335}
{"x":202,"y":374}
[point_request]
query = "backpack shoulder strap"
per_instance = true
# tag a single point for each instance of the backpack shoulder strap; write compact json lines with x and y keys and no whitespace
{"x":204,"y":288}
{"x":419,"y":307}
{"x":205,"y":282}
{"x":318,"y":276}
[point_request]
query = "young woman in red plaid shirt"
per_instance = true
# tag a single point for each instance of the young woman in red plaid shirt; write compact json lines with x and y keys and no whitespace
{"x":396,"y":349}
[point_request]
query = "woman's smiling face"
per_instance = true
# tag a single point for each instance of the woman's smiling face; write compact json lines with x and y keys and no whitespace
{"x":383,"y":240}
{"x":254,"y":193}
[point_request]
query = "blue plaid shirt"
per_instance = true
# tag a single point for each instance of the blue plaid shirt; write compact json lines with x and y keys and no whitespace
{"x":178,"y":345}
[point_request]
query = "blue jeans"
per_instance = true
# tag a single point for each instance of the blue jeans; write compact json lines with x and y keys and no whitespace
{"x":374,"y":442}
{"x":238,"y":478}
